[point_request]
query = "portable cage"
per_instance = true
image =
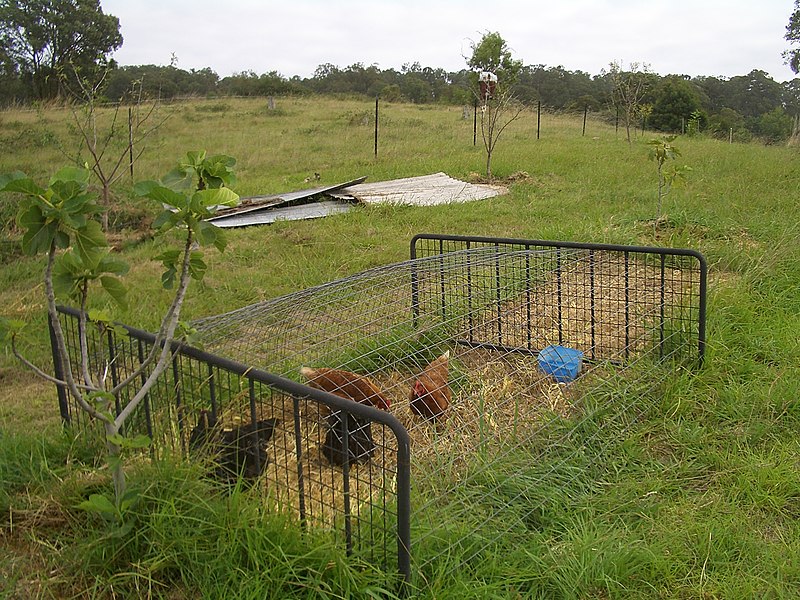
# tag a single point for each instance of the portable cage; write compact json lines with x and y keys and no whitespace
{"x":491,"y":305}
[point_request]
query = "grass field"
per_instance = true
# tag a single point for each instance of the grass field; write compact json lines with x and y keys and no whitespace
{"x":698,"y":496}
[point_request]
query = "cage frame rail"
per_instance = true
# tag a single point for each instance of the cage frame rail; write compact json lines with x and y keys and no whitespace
{"x":465,"y":242}
{"x":297,"y":391}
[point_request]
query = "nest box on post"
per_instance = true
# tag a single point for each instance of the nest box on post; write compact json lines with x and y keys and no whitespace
{"x":488,"y":83}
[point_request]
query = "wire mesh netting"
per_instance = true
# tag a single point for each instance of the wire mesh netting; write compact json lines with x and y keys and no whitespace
{"x":447,"y":345}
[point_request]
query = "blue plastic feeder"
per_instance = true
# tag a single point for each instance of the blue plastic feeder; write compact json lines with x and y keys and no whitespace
{"x":563,"y":363}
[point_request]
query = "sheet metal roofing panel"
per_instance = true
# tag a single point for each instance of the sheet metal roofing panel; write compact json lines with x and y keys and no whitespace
{"x":427,"y":190}
{"x":257,"y":203}
{"x":312,"y":210}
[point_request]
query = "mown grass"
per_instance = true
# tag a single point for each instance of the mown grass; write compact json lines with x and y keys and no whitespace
{"x":692,"y":492}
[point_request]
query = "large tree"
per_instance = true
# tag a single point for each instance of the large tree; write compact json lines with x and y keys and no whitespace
{"x":793,"y":37}
{"x":676,"y":99}
{"x":51,"y":41}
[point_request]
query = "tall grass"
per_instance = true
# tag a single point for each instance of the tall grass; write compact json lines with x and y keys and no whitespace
{"x":692,"y":492}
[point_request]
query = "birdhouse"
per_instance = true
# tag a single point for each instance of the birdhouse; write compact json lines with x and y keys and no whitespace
{"x":488,"y":84}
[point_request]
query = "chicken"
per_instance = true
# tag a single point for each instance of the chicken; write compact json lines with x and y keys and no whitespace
{"x":346,"y":385}
{"x":430,"y":394}
{"x":359,"y":447}
{"x":239,"y":450}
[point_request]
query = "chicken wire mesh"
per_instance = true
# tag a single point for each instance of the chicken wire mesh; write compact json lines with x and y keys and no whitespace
{"x":447,"y":346}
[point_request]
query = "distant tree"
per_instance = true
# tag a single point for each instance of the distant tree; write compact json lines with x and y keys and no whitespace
{"x":774,"y":126}
{"x":675,"y":101}
{"x":754,"y":94}
{"x":792,"y":56}
{"x":48,"y":40}
{"x":499,"y":107}
{"x":726,"y":124}
{"x":629,"y":89}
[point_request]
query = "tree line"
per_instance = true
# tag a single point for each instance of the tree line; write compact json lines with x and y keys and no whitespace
{"x":48,"y":47}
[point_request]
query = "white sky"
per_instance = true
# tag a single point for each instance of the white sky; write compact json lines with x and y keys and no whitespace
{"x":691,"y":37}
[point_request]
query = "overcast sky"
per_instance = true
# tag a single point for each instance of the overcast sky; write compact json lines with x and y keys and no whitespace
{"x":691,"y":37}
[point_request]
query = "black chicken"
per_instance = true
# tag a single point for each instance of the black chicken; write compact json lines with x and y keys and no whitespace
{"x":360,"y":446}
{"x":237,"y":451}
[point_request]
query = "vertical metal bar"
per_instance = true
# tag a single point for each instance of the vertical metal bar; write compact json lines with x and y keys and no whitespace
{"x":591,"y":295}
{"x":348,"y":524}
{"x":212,"y":392}
{"x":176,"y":380}
{"x":538,"y":118}
{"x":376,"y":126}
{"x":497,"y":293}
{"x":298,"y":445}
{"x":662,"y":301}
{"x":403,"y":508}
{"x":558,"y":285}
{"x":475,"y":124}
{"x":701,"y":316}
{"x":441,"y":282}
{"x":148,"y":417}
{"x":58,"y":371}
{"x":627,"y":306}
{"x":585,"y":112}
{"x":470,"y":319}
{"x":254,"y":420}
{"x":529,"y":325}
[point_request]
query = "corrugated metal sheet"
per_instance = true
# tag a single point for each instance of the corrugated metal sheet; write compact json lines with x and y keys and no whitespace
{"x":258,"y":203}
{"x":312,"y":210}
{"x":427,"y":190}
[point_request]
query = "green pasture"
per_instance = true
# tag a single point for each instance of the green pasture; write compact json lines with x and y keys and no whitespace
{"x":697,"y":495}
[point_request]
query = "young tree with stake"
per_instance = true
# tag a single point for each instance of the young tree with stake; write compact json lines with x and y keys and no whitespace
{"x":59,"y":221}
{"x":495,"y":73}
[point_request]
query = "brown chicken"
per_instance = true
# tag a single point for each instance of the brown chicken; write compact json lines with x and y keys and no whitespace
{"x":346,"y":385}
{"x":430,"y":395}
{"x":359,"y":446}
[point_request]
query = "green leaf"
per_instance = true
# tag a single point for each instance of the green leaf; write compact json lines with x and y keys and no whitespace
{"x":99,"y":503}
{"x":168,"y":278}
{"x":99,"y":315}
{"x":21,"y":185}
{"x":137,"y":442}
{"x":208,"y":233}
{"x":169,"y":258}
{"x":111,"y":264}
{"x":39,"y":233}
{"x":179,"y":179}
{"x":9,"y":328}
{"x":90,"y":243}
{"x":195,"y":158}
{"x":162,"y":194}
{"x":197,"y":266}
{"x":210,"y":199}
{"x":129,"y":499}
{"x":65,"y":191}
{"x":142,"y":188}
{"x":117,"y":439}
{"x":76,"y":174}
{"x":116,"y":289}
{"x":68,"y":273}
{"x":166,"y":220}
